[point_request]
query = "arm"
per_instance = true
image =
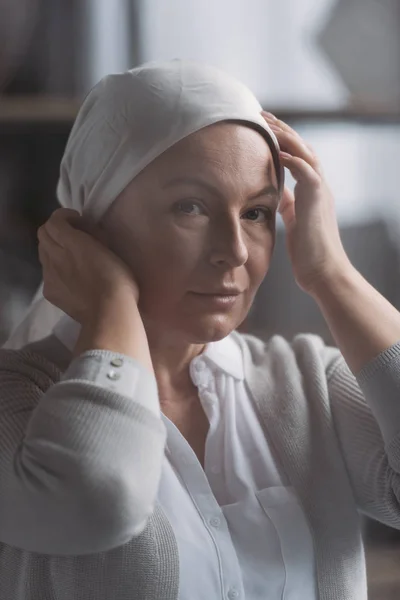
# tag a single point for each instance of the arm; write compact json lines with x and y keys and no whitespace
{"x":366,"y":403}
{"x":365,"y":408}
{"x":362,"y":322}
{"x":369,"y":439}
{"x":80,"y":459}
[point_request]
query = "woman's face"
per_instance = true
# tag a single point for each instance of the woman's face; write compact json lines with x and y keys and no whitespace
{"x":199,"y":220}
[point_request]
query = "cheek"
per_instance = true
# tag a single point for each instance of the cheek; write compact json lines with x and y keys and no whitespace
{"x":259,"y":261}
{"x":165,"y":261}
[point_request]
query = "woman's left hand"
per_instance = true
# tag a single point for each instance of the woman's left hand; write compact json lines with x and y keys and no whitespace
{"x":312,"y":233}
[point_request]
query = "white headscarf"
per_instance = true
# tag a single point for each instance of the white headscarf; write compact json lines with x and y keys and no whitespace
{"x":125,"y":122}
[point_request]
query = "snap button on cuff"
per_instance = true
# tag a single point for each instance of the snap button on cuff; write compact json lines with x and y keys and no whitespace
{"x":117,"y":362}
{"x":113,"y":375}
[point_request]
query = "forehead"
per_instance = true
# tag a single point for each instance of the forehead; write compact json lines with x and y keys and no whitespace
{"x":225,"y":148}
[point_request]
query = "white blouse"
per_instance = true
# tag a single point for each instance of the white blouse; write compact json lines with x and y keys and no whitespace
{"x":240,"y":530}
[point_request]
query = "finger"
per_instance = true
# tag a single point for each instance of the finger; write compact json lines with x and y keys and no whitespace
{"x":63,"y":216}
{"x":291,"y":141}
{"x":276,"y":123}
{"x":287,"y":206}
{"x":43,"y":257}
{"x":48,"y":237}
{"x":44,"y":252}
{"x":65,"y":213}
{"x":301,"y":170}
{"x":60,"y":223}
{"x":287,"y":198}
{"x":293,"y":144}
{"x":273,"y":120}
{"x":44,"y":237}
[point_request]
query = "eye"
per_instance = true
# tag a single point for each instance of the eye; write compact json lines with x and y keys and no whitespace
{"x":189,"y":207}
{"x":259,"y":214}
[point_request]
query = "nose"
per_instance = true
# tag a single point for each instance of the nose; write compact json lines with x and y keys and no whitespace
{"x":228,"y":247}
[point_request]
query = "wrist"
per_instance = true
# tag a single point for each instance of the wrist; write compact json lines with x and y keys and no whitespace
{"x":339,"y":277}
{"x":118,"y":327}
{"x":117,"y":304}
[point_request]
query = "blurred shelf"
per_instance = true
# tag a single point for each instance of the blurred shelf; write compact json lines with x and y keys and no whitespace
{"x":37,"y":109}
{"x":17,"y":111}
{"x":366,"y":116}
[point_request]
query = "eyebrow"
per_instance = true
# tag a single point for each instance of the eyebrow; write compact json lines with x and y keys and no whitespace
{"x":269,"y":190}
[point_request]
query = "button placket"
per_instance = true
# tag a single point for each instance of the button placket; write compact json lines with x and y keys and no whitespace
{"x":215,"y":522}
{"x":200,"y":375}
{"x":200,"y":366}
{"x":208,"y":397}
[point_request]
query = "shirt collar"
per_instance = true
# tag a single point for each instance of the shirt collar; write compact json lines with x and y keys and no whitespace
{"x":226,"y":354}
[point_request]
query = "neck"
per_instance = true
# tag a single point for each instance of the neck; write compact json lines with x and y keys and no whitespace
{"x":171,"y":357}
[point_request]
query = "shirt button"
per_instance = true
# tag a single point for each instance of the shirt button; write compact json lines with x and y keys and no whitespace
{"x":232,"y":594}
{"x":117,"y":362}
{"x":208,"y":397}
{"x":113,"y":375}
{"x":200,"y":366}
{"x":215,"y":522}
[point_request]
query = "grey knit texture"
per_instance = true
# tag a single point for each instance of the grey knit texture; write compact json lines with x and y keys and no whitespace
{"x":80,"y":468}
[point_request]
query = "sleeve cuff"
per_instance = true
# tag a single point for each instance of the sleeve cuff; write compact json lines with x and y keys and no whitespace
{"x":379,"y":363}
{"x":379,"y":381}
{"x":118,"y":373}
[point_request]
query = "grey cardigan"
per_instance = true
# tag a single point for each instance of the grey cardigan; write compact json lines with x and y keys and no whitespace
{"x":80,"y":467}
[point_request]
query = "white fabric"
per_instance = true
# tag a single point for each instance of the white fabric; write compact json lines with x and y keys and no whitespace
{"x":240,"y":529}
{"x":125,"y":122}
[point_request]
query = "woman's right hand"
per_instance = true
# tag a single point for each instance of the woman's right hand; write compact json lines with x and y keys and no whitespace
{"x":81,"y":275}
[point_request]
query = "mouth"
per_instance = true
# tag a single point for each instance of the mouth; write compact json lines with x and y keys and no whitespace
{"x":222,"y":291}
{"x":221,"y":300}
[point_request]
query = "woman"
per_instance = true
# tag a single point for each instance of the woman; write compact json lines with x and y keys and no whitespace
{"x":147,"y":449}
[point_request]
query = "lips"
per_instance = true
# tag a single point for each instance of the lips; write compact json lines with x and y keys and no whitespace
{"x":216,"y":302}
{"x":223,"y":292}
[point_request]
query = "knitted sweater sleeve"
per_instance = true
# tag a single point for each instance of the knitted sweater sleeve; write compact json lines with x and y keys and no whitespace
{"x":366,"y":414}
{"x":80,"y":461}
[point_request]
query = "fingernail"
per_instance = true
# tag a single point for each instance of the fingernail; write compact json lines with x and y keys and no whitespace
{"x":270,"y":115}
{"x":284,"y":155}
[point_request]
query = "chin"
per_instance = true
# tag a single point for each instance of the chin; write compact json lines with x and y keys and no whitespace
{"x":194,"y":326}
{"x":210,"y":329}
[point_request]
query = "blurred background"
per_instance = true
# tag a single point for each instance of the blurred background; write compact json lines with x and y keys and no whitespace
{"x":330,"y":68}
